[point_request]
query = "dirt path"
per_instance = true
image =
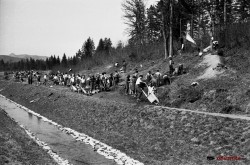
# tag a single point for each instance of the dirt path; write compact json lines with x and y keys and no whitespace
{"x":231,"y":116}
{"x":211,"y":61}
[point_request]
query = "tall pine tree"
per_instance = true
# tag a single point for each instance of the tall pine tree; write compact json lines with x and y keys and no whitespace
{"x":64,"y":62}
{"x":88,"y":48}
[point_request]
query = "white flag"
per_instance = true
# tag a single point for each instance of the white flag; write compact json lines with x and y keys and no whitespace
{"x":190,"y":39}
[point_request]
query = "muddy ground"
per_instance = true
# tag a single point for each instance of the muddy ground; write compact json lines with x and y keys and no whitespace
{"x":154,"y":136}
{"x":16,"y":147}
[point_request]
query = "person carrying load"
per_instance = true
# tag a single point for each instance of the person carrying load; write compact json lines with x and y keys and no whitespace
{"x":139,"y":85}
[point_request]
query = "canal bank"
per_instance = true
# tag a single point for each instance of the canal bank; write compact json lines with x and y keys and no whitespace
{"x":65,"y":146}
{"x":16,"y":147}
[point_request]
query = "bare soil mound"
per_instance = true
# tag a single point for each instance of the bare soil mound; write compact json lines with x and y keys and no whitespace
{"x":211,"y":61}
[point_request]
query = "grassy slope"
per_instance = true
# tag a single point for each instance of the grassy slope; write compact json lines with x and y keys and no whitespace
{"x":151,"y":135}
{"x":228,"y":93}
{"x":157,"y":136}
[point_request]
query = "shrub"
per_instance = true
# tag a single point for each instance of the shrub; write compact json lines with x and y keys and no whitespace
{"x":231,"y":108}
{"x":188,"y":95}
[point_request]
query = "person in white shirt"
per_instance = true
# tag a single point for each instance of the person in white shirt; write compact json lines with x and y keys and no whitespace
{"x":45,"y":79}
{"x":139,"y":80}
{"x":72,"y":80}
{"x":139,"y":87}
{"x":56,"y":80}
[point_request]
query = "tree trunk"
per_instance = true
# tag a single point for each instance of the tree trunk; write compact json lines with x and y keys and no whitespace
{"x":192,"y":21}
{"x":225,"y":13}
{"x":170,"y":30}
{"x":164,"y":38}
{"x":199,"y":23}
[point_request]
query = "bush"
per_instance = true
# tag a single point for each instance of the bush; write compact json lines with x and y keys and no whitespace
{"x":231,"y":108}
{"x":188,"y":95}
{"x":133,"y":56}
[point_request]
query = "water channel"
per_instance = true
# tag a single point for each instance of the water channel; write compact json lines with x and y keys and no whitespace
{"x":61,"y":143}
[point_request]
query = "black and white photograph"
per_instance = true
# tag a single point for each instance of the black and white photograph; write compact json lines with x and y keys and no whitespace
{"x":124,"y":82}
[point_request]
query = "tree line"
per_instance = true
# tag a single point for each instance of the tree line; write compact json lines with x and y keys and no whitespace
{"x":200,"y":18}
{"x":87,"y":52}
{"x":149,"y":32}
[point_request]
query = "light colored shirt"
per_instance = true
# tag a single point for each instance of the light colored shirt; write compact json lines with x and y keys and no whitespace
{"x":158,"y":74}
{"x":138,"y":81}
{"x":82,"y":80}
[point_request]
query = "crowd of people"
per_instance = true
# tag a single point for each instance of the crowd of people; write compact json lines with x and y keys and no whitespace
{"x":135,"y":84}
{"x":89,"y":84}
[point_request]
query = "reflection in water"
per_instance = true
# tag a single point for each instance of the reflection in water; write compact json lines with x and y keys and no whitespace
{"x":39,"y":120}
{"x":30,"y":115}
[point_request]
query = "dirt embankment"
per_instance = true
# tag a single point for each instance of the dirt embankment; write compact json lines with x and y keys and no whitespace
{"x":151,"y":135}
{"x":16,"y":147}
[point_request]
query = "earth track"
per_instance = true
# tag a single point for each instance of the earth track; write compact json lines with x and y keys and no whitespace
{"x":231,"y":116}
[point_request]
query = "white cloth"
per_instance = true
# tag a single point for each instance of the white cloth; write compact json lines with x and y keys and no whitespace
{"x":151,"y":90}
{"x":182,"y":46}
{"x":190,"y":39}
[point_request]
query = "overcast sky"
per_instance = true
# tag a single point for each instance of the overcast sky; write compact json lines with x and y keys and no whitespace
{"x":48,"y":27}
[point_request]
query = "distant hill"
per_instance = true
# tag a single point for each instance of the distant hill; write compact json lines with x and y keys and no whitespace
{"x":7,"y":58}
{"x":15,"y":58}
{"x":35,"y":57}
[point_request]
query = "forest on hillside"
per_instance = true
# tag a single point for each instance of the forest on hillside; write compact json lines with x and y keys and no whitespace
{"x":155,"y":32}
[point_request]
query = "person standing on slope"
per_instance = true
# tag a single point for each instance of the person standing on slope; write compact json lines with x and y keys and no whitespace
{"x":139,"y":87}
{"x":124,"y":65}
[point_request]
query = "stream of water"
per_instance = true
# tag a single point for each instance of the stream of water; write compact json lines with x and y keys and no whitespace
{"x":61,"y":143}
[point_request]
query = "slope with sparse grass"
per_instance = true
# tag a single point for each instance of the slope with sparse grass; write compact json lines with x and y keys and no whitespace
{"x":223,"y":90}
{"x":156,"y":135}
{"x":152,"y":135}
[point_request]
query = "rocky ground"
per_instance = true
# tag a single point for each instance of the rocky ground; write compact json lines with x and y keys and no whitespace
{"x":16,"y":147}
{"x":152,"y":135}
